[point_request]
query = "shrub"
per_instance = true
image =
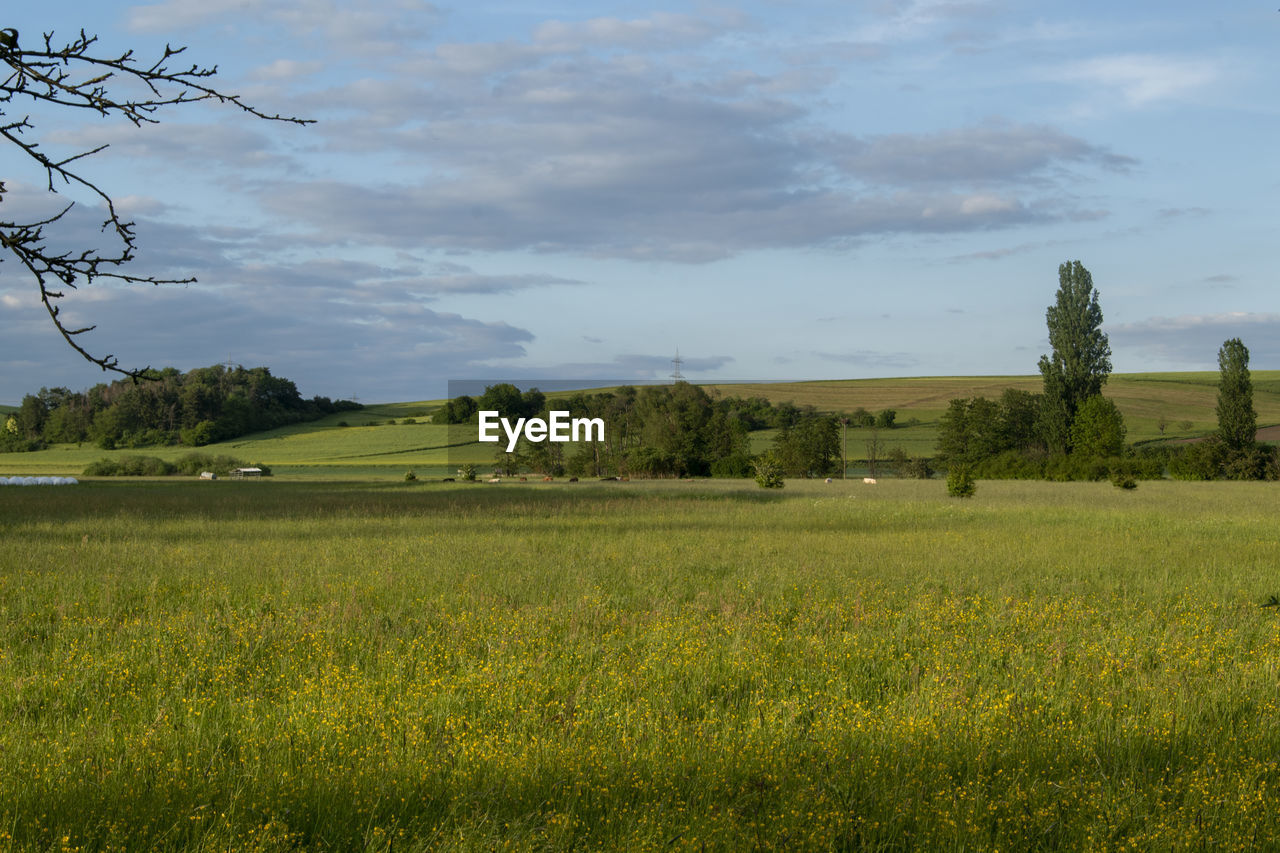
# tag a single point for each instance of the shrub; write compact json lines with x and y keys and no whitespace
{"x":919,"y":467}
{"x":768,"y":472}
{"x":862,"y":418}
{"x":1122,"y":479}
{"x":409,"y":476}
{"x":129,"y":466}
{"x":101,"y":468}
{"x":1202,"y":460}
{"x":468,"y":472}
{"x":960,"y":482}
{"x":733,"y":465}
{"x":222,"y":465}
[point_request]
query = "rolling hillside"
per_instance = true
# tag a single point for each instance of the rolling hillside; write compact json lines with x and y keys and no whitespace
{"x":377,"y":442}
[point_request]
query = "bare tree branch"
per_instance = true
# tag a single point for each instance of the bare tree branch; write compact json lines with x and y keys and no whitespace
{"x":73,"y":76}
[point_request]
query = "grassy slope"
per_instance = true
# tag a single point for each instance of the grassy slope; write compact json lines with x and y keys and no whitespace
{"x":324,"y":449}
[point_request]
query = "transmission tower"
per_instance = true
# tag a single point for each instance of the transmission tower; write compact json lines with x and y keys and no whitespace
{"x":676,"y":375}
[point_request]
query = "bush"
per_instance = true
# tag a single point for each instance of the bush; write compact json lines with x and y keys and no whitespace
{"x":1255,"y":463}
{"x":468,"y":472}
{"x":1011,"y":465}
{"x":101,"y":468}
{"x":1202,"y":460}
{"x":129,"y":466}
{"x":222,"y":465}
{"x":917,"y":467}
{"x":733,"y":465}
{"x":768,"y":472}
{"x":151,"y":466}
{"x":1122,"y":479}
{"x":862,"y":418}
{"x":409,"y":476}
{"x":960,"y":482}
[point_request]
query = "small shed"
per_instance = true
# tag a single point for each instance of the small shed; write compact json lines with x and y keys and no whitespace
{"x":241,"y":473}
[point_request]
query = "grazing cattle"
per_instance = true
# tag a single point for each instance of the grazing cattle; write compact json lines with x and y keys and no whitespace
{"x":495,"y":479}
{"x":447,"y":480}
{"x":828,"y":480}
{"x":524,"y":479}
{"x":870,"y":481}
{"x":548,"y":479}
{"x":573,"y":479}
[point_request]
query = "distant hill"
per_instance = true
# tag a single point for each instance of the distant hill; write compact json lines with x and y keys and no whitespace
{"x":373,"y":447}
{"x":1145,"y":399}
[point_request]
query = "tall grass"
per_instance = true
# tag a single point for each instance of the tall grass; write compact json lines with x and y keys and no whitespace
{"x":279,"y":666}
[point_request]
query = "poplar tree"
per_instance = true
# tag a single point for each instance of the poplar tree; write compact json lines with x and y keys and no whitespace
{"x":1081,"y":359}
{"x":1237,"y":420}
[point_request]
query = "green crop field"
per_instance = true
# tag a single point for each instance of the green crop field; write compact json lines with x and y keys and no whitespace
{"x":372,"y":447}
{"x":697,"y":665}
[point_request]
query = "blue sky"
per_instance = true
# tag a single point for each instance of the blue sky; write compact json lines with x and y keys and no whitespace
{"x":786,"y":190}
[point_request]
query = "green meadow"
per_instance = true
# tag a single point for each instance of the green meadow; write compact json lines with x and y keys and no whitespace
{"x":388,"y":666}
{"x":377,"y":443}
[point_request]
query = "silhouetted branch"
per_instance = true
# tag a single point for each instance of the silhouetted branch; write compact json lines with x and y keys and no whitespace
{"x":73,"y":77}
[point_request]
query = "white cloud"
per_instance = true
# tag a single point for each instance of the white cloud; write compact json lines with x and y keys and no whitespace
{"x":1144,"y":79}
{"x":282,"y":70}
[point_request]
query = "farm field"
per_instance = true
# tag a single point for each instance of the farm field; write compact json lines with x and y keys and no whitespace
{"x":371,"y":447}
{"x":695,"y":665}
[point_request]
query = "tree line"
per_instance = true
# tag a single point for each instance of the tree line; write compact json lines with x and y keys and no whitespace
{"x":1071,"y":431}
{"x":199,"y":407}
{"x":674,"y":430}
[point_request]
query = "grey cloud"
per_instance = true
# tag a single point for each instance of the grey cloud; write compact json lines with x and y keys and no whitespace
{"x":328,"y":345}
{"x":233,"y":144}
{"x":1195,"y":339}
{"x":365,"y":27}
{"x":548,"y":145}
{"x":990,"y":154}
{"x":659,"y":223}
{"x":662,"y":30}
{"x":607,"y":158}
{"x":629,"y":367}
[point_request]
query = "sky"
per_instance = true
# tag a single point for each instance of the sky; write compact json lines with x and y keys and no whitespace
{"x":779,"y":189}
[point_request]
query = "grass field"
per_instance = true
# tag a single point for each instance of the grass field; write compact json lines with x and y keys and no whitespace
{"x":371,"y":447}
{"x":284,"y":666}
